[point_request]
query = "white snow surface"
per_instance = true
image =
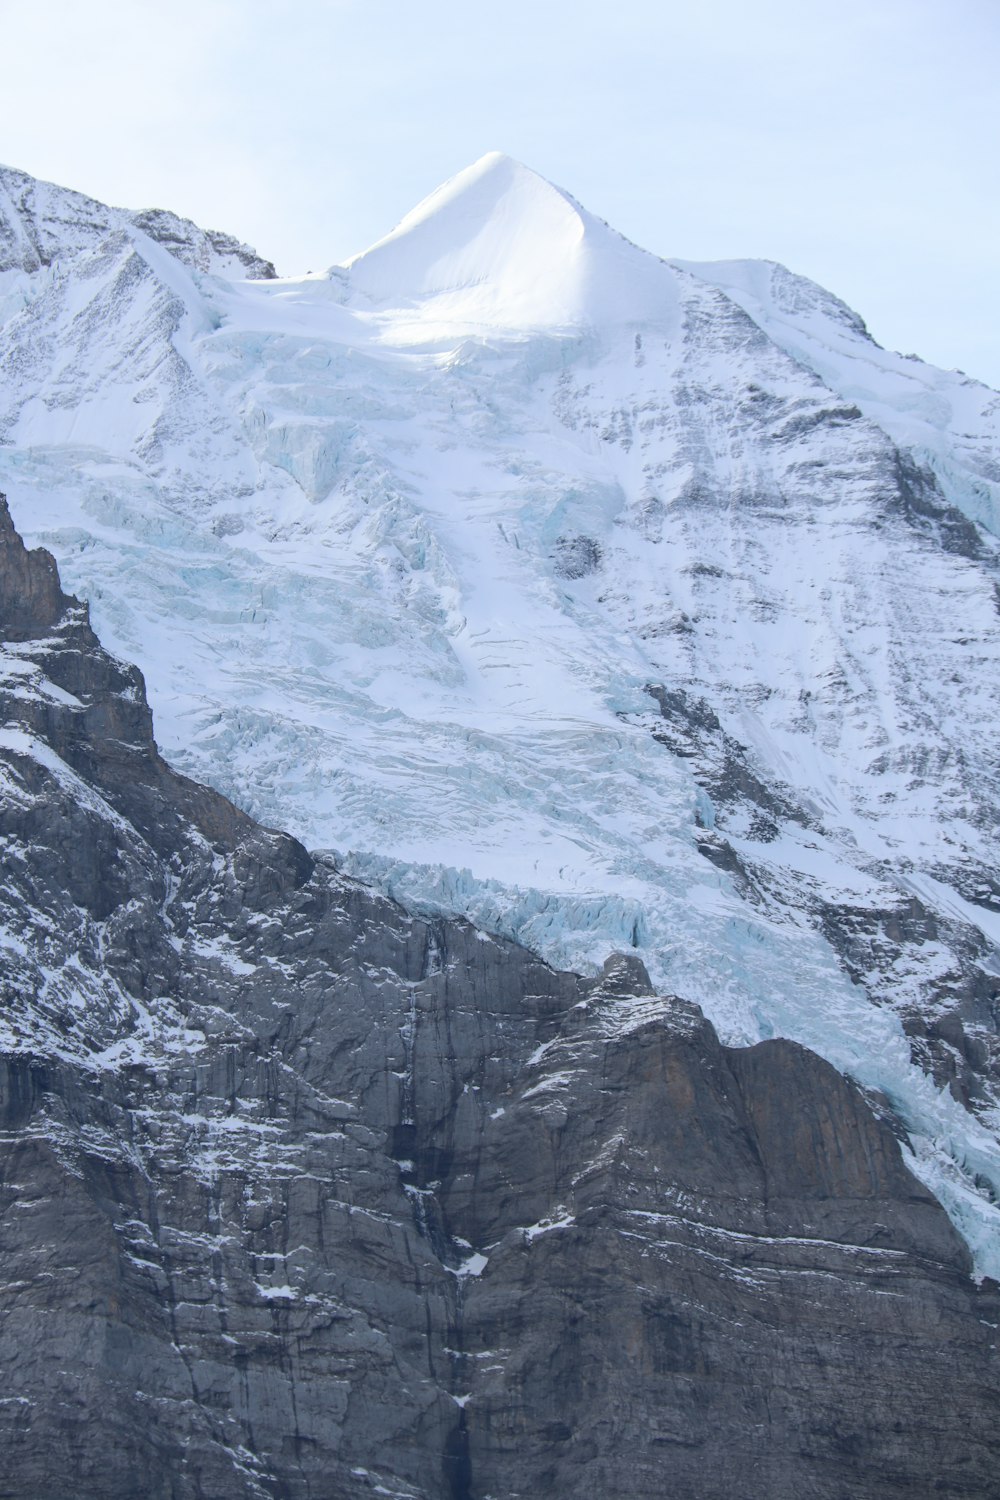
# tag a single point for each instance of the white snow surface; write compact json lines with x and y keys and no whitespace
{"x":400,"y":547}
{"x":499,"y":248}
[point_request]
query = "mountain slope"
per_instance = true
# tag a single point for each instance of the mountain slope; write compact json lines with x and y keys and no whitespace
{"x":41,"y":225}
{"x":586,"y":595}
{"x":941,"y":419}
{"x":303,"y":1194}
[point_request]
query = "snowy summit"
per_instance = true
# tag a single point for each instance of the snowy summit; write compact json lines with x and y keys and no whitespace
{"x":498,"y":248}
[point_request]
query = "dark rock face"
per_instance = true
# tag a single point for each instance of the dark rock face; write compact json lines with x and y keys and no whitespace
{"x":303,"y":1196}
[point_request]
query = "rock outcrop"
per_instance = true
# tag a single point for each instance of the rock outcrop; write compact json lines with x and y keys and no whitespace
{"x":306,"y":1196}
{"x":42,"y":225}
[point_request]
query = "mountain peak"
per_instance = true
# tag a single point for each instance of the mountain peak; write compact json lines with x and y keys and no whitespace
{"x":499,"y":246}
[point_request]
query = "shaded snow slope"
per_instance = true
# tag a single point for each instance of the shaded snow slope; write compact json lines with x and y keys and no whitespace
{"x":568,"y":589}
{"x":947,"y":422}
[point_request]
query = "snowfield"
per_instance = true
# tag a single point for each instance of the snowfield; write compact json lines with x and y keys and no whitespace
{"x":612,"y":602}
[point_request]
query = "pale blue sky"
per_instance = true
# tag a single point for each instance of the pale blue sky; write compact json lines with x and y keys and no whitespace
{"x":857,"y":142}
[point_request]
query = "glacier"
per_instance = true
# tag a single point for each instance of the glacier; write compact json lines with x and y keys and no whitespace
{"x":609,"y":601}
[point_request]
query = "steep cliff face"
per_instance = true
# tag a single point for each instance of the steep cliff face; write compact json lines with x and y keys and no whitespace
{"x":303,"y":1195}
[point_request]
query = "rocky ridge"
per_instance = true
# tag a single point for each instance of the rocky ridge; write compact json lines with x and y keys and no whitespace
{"x":305,"y":1195}
{"x":42,"y":225}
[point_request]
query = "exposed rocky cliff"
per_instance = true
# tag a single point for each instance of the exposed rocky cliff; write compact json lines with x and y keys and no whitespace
{"x":303,"y":1195}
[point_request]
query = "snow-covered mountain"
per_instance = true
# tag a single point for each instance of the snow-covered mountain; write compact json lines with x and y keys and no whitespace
{"x":303,"y":1194}
{"x":605,"y":600}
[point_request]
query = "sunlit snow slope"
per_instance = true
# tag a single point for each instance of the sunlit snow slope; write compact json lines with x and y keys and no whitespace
{"x":613,"y":602}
